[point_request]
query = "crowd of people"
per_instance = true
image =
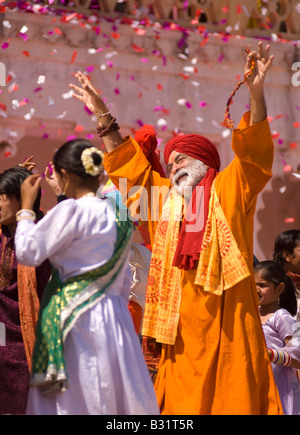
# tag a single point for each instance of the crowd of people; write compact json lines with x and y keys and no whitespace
{"x":111,"y":308}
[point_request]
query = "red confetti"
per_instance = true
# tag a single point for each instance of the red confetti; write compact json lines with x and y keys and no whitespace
{"x":7,"y":154}
{"x":74,"y":56}
{"x":137,"y":48}
{"x":26,"y":53}
{"x":186,"y":77}
{"x":79,"y":128}
{"x":159,"y":86}
{"x":238,"y":9}
{"x":296,"y":124}
{"x":293,"y":145}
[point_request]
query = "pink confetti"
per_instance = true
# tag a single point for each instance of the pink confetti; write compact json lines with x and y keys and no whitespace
{"x":5,"y":45}
{"x":289,"y":220}
{"x":117,"y":91}
{"x":287,"y":168}
{"x":90,"y":68}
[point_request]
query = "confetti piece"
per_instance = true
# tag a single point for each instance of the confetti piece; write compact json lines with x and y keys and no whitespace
{"x":67,"y":95}
{"x":137,"y":48}
{"x":26,"y":53}
{"x":289,"y":220}
{"x":79,"y":128}
{"x":74,"y":57}
{"x":287,"y":168}
{"x":5,"y":45}
{"x":41,"y":80}
{"x":296,"y":124}
{"x":7,"y":154}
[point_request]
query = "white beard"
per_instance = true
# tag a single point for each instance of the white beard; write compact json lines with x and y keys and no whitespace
{"x":194,"y":172}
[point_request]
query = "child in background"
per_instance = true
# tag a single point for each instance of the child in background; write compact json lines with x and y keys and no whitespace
{"x":278,"y":305}
{"x":287,"y":252}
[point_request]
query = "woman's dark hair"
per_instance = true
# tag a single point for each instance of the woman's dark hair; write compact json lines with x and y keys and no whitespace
{"x":286,"y":241}
{"x":275,"y":273}
{"x":10,"y":185}
{"x":68,"y":157}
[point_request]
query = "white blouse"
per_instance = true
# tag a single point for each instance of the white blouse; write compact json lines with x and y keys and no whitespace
{"x":76,"y":236}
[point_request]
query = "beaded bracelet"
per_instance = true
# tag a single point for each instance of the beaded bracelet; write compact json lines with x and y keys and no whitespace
{"x":279,"y":357}
{"x":103,"y":130}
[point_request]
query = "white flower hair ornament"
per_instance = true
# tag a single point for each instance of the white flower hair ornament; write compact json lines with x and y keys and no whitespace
{"x":91,"y":159}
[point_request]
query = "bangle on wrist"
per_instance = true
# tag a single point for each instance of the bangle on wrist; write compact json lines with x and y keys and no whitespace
{"x":101,"y":115}
{"x":25,"y":214}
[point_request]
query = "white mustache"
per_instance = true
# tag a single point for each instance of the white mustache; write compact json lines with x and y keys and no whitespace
{"x":179,"y":174}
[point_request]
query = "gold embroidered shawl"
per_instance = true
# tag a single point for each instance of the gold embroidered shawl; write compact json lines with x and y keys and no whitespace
{"x":221,"y":266}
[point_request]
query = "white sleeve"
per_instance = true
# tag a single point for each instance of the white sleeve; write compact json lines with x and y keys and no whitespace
{"x":34,"y":243}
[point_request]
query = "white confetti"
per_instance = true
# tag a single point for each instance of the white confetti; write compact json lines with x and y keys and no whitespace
{"x":24,"y":29}
{"x":28,"y":115}
{"x":62,"y":115}
{"x":67,"y":95}
{"x":41,"y":80}
{"x":226,"y":133}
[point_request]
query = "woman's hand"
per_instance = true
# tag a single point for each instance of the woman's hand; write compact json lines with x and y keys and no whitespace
{"x":88,"y":95}
{"x":28,"y":164}
{"x":52,"y":180}
{"x":29,"y":191}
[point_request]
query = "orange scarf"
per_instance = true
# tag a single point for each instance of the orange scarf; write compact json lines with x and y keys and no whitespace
{"x":29,"y":306}
{"x":220,"y":267}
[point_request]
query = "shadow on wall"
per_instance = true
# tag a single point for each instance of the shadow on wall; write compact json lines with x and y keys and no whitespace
{"x":281,"y":211}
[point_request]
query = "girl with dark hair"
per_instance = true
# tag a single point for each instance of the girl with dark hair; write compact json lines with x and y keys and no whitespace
{"x":87,"y":357}
{"x":278,"y":305}
{"x":21,"y":289}
{"x":287,"y":252}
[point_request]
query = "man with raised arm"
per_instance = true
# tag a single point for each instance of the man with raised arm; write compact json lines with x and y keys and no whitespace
{"x":201,"y":301}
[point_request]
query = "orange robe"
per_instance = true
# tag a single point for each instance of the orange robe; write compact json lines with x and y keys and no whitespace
{"x":219,"y":362}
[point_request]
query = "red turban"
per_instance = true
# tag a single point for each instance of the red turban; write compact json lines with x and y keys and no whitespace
{"x":200,"y":148}
{"x":146,"y":138}
{"x":195,"y":146}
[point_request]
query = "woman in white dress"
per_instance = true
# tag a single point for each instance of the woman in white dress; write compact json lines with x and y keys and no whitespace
{"x":87,"y":357}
